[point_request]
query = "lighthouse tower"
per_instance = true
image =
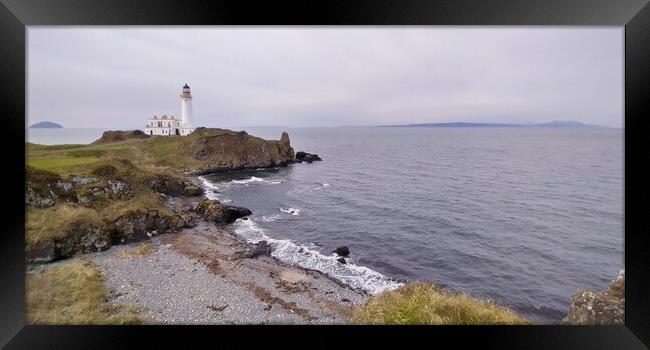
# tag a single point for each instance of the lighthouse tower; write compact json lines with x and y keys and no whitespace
{"x":186,"y":107}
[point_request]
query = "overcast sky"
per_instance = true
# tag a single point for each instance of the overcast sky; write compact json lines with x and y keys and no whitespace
{"x":117,"y":77}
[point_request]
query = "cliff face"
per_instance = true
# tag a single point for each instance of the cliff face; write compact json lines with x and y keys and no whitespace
{"x":209,"y":150}
{"x":85,"y":198}
{"x":219,"y":149}
{"x":589,"y":307}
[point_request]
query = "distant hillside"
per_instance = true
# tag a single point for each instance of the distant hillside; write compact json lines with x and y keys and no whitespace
{"x":552,"y":124}
{"x":46,"y":125}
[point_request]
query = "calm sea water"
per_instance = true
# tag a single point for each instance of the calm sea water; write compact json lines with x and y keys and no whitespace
{"x":62,"y":136}
{"x":525,"y":217}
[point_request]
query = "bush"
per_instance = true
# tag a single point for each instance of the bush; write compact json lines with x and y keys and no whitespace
{"x":72,"y":293}
{"x":425,"y":303}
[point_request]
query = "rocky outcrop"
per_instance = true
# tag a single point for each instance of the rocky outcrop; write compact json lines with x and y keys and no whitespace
{"x":342,"y":251}
{"x":39,"y":189}
{"x":589,"y":307}
{"x":82,"y":238}
{"x":172,"y":186}
{"x":223,"y":150}
{"x":43,"y":189}
{"x":305,"y":157}
{"x":253,"y":250}
{"x":133,"y":226}
{"x":212,"y":210}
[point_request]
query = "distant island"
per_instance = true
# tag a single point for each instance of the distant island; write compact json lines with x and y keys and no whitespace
{"x":46,"y":125}
{"x":552,"y":124}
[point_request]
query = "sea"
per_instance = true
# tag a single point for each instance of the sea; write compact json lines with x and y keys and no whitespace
{"x":525,"y":217}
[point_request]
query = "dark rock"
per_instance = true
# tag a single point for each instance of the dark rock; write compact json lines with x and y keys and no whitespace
{"x":346,"y":300}
{"x":307,"y":157}
{"x":35,"y":199}
{"x":83,"y":238}
{"x":173,"y":186}
{"x":342,"y":251}
{"x":589,"y":307}
{"x":191,"y":191}
{"x":261,"y":248}
{"x":341,"y":260}
{"x":134,"y":225}
{"x":212,"y":210}
{"x":233,"y":213}
{"x":217,"y":308}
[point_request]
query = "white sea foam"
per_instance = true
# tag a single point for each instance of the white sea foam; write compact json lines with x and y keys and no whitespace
{"x":250,"y":180}
{"x":292,"y":211}
{"x":270,"y":218}
{"x":286,"y":250}
{"x":210,"y":189}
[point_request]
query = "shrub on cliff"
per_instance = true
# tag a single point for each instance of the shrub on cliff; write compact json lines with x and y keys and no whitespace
{"x":425,"y":303}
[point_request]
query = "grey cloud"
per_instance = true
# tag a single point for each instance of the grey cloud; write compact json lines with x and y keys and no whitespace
{"x":323,"y":76}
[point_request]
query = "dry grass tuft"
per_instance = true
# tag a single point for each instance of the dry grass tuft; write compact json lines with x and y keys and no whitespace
{"x":52,"y":223}
{"x":425,"y":303}
{"x":73,"y":293}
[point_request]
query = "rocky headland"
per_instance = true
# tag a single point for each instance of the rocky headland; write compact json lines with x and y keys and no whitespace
{"x":114,"y":202}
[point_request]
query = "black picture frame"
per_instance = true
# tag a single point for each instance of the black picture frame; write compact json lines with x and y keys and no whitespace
{"x":15,"y":15}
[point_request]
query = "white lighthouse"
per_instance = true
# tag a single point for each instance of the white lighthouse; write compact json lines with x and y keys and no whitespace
{"x":186,"y":107}
{"x":170,"y":125}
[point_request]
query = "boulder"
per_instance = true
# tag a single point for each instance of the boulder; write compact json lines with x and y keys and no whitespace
{"x":306,"y":157}
{"x":261,"y":248}
{"x":342,"y":251}
{"x":214,"y":211}
{"x":233,"y":213}
{"x":341,"y":260}
{"x":134,"y":225}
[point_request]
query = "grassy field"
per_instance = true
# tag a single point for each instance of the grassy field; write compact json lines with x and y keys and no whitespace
{"x":425,"y":303}
{"x":73,"y":293}
{"x":60,"y":164}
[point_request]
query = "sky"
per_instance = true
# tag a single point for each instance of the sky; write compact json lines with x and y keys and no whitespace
{"x":118,"y":77}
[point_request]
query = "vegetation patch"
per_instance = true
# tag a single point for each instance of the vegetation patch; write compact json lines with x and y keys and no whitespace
{"x":73,"y":293}
{"x":54,"y":164}
{"x":117,"y":136}
{"x":54,"y":223}
{"x":426,"y":303}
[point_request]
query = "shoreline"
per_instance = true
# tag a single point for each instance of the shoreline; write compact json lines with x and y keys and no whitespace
{"x":195,"y":276}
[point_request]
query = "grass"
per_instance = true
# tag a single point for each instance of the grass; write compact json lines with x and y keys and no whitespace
{"x":60,"y":164}
{"x":425,"y":303}
{"x":55,"y":222}
{"x":73,"y":293}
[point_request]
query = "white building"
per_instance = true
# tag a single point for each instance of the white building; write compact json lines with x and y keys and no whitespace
{"x":171,"y":126}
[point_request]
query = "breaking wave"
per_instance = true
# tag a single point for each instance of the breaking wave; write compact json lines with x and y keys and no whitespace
{"x":353,"y":275}
{"x":292,"y":211}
